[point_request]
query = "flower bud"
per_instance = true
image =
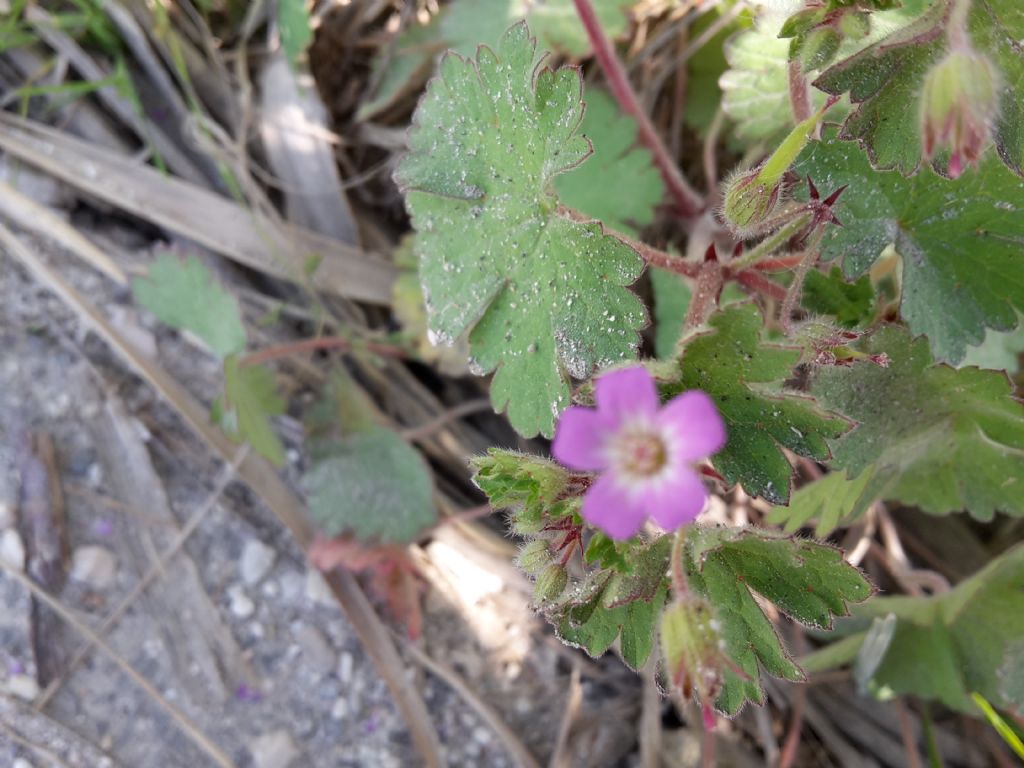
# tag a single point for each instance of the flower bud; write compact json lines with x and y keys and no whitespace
{"x":692,"y":650}
{"x":550,"y":583}
{"x":749,"y":201}
{"x":959,"y":102}
{"x":750,"y":197}
{"x":534,"y":556}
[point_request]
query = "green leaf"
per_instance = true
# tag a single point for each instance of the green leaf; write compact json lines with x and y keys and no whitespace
{"x":850,"y":303}
{"x":960,"y":241}
{"x":671,"y":301}
{"x":808,"y":581}
{"x":932,"y":436}
{"x":465,"y":24}
{"x":619,"y":184}
{"x":744,"y":377}
{"x":948,"y":646}
{"x":250,"y":399}
{"x":755,"y":88}
{"x":636,"y":622}
{"x":556,"y":24}
{"x":296,"y":29}
{"x":541,"y":295}
{"x":407,"y":63}
{"x":886,"y":78}
{"x":830,"y":500}
{"x":349,"y":491}
{"x":999,"y":351}
{"x":184,"y":295}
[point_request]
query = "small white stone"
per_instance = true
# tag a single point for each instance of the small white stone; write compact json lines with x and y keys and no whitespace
{"x":292,"y":586}
{"x":239,"y":603}
{"x":24,"y":687}
{"x":12,"y":549}
{"x":257,"y":559}
{"x":317,"y":590}
{"x":6,"y":514}
{"x":345,"y":665}
{"x":340,"y":709}
{"x":21,"y":762}
{"x":94,"y":566}
{"x":273,"y":750}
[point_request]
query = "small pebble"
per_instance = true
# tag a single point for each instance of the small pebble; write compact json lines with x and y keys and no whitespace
{"x":340,"y":709}
{"x":239,"y":603}
{"x":273,"y":750}
{"x":315,"y":650}
{"x":21,"y":762}
{"x":345,"y":664}
{"x":257,"y":559}
{"x":23,"y":687}
{"x":12,"y":549}
{"x":94,"y":566}
{"x":6,"y":514}
{"x":317,"y":590}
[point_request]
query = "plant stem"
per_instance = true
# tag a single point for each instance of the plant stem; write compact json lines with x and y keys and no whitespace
{"x":799,"y":97}
{"x":758,"y":282}
{"x":767,"y":246}
{"x":709,"y":287}
{"x":323,"y":342}
{"x":679,"y":584}
{"x":689,"y":203}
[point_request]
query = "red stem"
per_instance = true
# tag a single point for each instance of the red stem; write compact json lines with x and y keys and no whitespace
{"x":687,"y":200}
{"x":313,"y":345}
{"x":799,"y":97}
{"x":779,"y":264}
{"x":758,"y":282}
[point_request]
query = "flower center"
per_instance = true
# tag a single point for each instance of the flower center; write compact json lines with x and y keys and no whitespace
{"x":640,"y":453}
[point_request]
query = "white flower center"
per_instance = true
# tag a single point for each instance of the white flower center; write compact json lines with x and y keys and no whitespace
{"x":638,"y":452}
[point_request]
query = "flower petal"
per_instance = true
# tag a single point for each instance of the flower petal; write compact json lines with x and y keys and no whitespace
{"x":696,"y":424}
{"x":625,"y":392}
{"x":676,"y":501}
{"x":608,"y":507}
{"x":579,"y":440}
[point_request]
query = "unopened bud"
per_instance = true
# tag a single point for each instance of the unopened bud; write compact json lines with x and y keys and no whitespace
{"x":534,"y":556}
{"x":691,"y":647}
{"x":550,"y":583}
{"x":959,"y":102}
{"x":750,"y":197}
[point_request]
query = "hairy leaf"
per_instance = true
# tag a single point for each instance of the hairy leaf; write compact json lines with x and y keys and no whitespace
{"x":755,"y":88}
{"x":831,"y":501}
{"x":349,"y":491}
{"x":960,"y":241}
{"x":250,"y":399}
{"x":850,"y":303}
{"x":947,"y":646}
{"x":619,"y":184}
{"x":885,"y":81}
{"x":999,"y":351}
{"x":671,"y":301}
{"x":929,"y":435}
{"x":636,"y":622}
{"x":541,"y":295}
{"x":744,"y":377}
{"x":808,"y":581}
{"x":465,"y":24}
{"x":184,"y":295}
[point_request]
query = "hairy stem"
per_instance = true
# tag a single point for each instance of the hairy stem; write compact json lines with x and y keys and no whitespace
{"x":755,"y":281}
{"x":680,"y":586}
{"x":799,"y":94}
{"x":770,"y":244}
{"x":689,"y":203}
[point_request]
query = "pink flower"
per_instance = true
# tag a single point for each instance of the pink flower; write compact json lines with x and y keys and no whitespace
{"x":645,"y":453}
